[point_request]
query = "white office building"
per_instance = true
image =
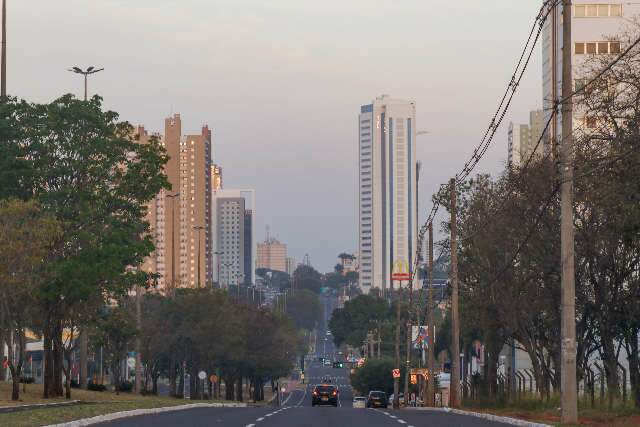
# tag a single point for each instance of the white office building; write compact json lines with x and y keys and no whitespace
{"x":595,"y":28}
{"x":387,"y":189}
{"x":524,"y":140}
{"x":234,"y":237}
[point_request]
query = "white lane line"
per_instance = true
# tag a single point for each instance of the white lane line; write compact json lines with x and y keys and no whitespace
{"x":303,"y":396}
{"x":260,"y":419}
{"x":402,"y":421}
{"x":251,"y":425}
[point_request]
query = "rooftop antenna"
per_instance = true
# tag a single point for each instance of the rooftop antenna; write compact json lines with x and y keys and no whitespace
{"x":268,"y":239}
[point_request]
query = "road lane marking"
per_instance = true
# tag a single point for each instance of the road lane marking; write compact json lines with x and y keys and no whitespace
{"x":402,"y":421}
{"x":251,"y":425}
{"x":260,"y":419}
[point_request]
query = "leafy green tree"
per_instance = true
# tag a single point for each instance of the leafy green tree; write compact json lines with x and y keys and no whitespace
{"x":27,"y":235}
{"x":376,"y":375}
{"x":350,"y":325}
{"x":307,"y":277}
{"x":304,"y":309}
{"x":85,"y":168}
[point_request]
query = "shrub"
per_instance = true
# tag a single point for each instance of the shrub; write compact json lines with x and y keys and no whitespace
{"x":27,"y":380}
{"x":125,"y":387}
{"x":96,"y":387}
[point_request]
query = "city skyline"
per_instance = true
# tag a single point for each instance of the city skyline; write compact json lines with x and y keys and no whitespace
{"x":172,"y":63}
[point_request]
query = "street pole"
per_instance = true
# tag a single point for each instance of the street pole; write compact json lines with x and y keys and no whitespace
{"x":198,"y":228}
{"x":408,"y":361}
{"x":454,"y":396}
{"x":396,"y":381}
{"x":568,"y":387}
{"x":4,"y":51}
{"x":85,"y":73}
{"x":173,"y":241}
{"x":138,"y":383}
{"x":430,"y":397}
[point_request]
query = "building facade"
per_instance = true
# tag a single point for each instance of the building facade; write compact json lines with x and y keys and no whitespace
{"x":387,"y":190}
{"x":272,"y":254}
{"x":180,"y":217}
{"x":523,"y":139}
{"x":596,"y":26}
{"x":233,"y":231}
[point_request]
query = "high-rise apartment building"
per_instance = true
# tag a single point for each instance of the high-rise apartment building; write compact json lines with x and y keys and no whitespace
{"x":523,"y":139}
{"x":387,"y":190}
{"x":596,"y":24}
{"x":180,"y":217}
{"x":216,"y":177}
{"x":233,"y":219}
{"x":272,"y":255}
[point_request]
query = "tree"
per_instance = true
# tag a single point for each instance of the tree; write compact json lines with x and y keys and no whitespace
{"x":304,"y":309}
{"x":307,"y":277}
{"x":27,"y":235}
{"x":85,"y":168}
{"x":375,"y":374}
{"x":361,"y":315}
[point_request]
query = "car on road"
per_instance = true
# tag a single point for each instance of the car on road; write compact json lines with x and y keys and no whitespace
{"x":400,"y":398}
{"x":324,"y":394}
{"x":359,"y":402}
{"x":377,"y":399}
{"x":327,"y":362}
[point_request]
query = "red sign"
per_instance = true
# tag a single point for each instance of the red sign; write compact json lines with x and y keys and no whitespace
{"x":396,"y":373}
{"x":400,"y":276}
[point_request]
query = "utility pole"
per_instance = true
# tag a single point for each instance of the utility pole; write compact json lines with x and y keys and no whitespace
{"x":4,"y":51}
{"x":408,"y":361}
{"x":396,"y":381}
{"x":198,"y":228}
{"x":173,"y":242}
{"x":86,"y":73}
{"x":454,"y":395}
{"x":430,"y":396}
{"x":568,"y":386}
{"x":138,"y":383}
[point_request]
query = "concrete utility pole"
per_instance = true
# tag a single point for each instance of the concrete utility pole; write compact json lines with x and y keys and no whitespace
{"x":454,"y":395}
{"x":198,"y":228}
{"x":396,"y":381}
{"x":4,"y":50}
{"x":408,"y":361}
{"x":173,"y":198}
{"x":568,"y":386}
{"x":430,"y":397}
{"x":138,"y":344}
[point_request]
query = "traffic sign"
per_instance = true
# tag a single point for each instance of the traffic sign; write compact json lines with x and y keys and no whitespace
{"x":213,"y":379}
{"x":414,"y":379}
{"x":396,"y":373}
{"x":131,"y":362}
{"x":202,"y":375}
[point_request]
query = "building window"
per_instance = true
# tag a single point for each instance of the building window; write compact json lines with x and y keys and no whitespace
{"x":600,"y":48}
{"x":597,"y":10}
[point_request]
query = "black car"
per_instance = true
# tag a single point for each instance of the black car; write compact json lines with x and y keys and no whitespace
{"x":324,"y":394}
{"x":377,"y":399}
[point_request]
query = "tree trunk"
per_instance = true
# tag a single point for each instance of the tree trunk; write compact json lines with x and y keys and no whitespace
{"x":634,"y":364}
{"x":239,"y":397}
{"x":154,"y":385}
{"x":610,"y":362}
{"x":172,"y":376}
{"x":58,"y":351}
{"x":3,"y":371}
{"x":229,"y":389}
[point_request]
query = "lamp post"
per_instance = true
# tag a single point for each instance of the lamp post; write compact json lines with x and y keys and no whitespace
{"x":228,"y":266}
{"x":173,"y":238}
{"x":86,"y":73}
{"x":217,"y":254}
{"x":198,"y":228}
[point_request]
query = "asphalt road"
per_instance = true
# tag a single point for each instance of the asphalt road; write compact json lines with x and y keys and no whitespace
{"x":297,"y":411}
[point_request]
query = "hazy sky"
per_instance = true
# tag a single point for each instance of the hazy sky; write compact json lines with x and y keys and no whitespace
{"x":280,"y":83}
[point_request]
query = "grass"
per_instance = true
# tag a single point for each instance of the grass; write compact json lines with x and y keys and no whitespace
{"x":533,"y":409}
{"x":93,"y":403}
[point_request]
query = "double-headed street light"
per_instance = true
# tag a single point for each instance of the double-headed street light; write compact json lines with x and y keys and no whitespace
{"x":85,"y":73}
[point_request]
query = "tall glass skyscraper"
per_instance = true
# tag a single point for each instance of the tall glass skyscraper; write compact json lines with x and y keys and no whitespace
{"x":387,"y":190}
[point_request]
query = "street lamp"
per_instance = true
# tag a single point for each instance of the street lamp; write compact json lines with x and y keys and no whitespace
{"x":3,"y":90}
{"x":85,"y":73}
{"x":228,"y":266}
{"x":173,"y":237}
{"x":217,"y":254}
{"x":198,"y":228}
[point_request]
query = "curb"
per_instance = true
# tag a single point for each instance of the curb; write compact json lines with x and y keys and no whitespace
{"x":26,"y":407}
{"x":136,"y":412}
{"x":490,"y":417}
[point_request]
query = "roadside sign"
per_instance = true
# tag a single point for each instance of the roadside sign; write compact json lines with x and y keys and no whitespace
{"x":202,"y":375}
{"x":414,"y":379}
{"x":396,"y":373}
{"x":131,"y":362}
{"x":283,"y":389}
{"x":400,"y":271}
{"x":213,"y":379}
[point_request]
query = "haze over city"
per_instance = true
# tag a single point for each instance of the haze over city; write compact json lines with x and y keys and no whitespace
{"x":280,"y":84}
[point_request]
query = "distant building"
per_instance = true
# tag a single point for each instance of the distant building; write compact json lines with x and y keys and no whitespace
{"x":348,"y":262}
{"x":234,"y":253}
{"x":174,"y":219}
{"x":595,"y":25}
{"x":216,"y":177}
{"x":523,"y":139}
{"x":292,"y":264}
{"x":387,"y":190}
{"x":272,"y":255}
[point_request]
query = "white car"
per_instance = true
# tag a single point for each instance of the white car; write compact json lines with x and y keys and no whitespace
{"x":359,"y":402}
